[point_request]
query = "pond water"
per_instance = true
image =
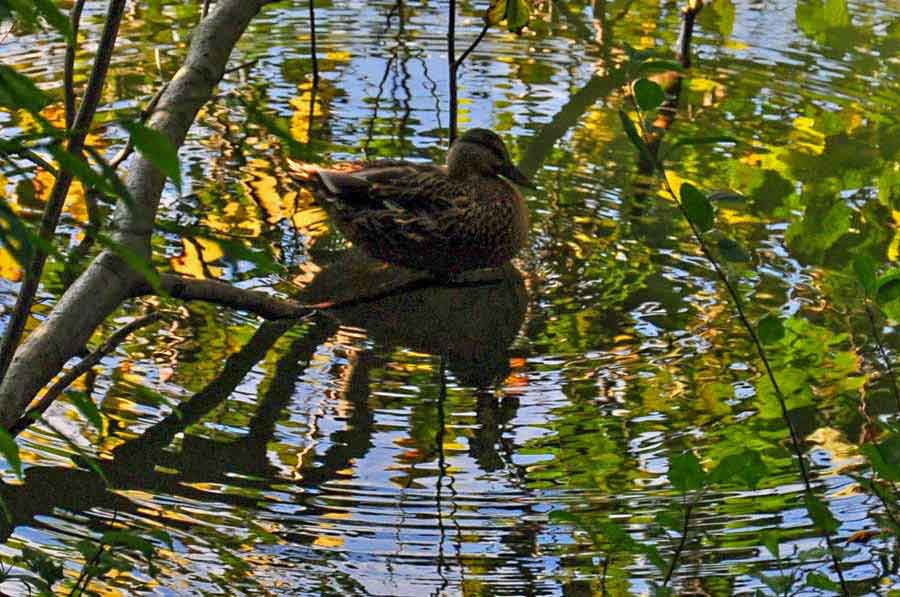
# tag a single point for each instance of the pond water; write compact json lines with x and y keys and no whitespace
{"x":420,"y":444}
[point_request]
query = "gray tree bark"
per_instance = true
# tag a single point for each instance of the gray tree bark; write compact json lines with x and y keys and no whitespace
{"x":108,"y":280}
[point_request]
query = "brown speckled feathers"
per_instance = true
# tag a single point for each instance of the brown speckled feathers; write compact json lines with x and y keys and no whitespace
{"x":423,"y":216}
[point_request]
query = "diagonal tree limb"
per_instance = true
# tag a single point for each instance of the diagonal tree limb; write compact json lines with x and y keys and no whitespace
{"x":79,"y":130}
{"x":108,"y":280}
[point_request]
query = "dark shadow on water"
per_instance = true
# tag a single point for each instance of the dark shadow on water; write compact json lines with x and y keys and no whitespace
{"x":471,"y":321}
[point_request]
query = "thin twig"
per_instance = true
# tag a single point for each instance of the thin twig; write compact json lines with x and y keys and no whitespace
{"x":688,"y":15}
{"x":69,"y":68}
{"x":85,"y":574}
{"x":796,"y":443}
{"x":455,"y":63}
{"x":145,"y":114}
{"x":83,"y":366}
{"x":55,"y":202}
{"x":205,"y":10}
{"x":481,"y":34}
{"x":240,"y":66}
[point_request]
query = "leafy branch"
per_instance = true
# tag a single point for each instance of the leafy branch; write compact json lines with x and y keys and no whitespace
{"x":697,"y":210}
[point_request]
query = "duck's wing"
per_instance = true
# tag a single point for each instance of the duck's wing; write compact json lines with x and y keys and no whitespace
{"x":413,"y":188}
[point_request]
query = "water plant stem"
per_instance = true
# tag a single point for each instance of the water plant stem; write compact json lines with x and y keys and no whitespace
{"x":312,"y":42}
{"x":876,"y":335}
{"x":451,"y":65}
{"x":685,"y":527}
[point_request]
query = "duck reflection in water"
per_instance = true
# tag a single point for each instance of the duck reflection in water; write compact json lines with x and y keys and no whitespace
{"x":469,"y":323}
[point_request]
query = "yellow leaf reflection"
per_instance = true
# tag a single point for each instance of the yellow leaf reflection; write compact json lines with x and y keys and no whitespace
{"x":9,"y":268}
{"x":328,"y":541}
{"x":198,"y":254}
{"x":302,"y":104}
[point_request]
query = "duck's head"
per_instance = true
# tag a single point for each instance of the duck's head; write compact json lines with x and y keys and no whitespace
{"x":482,"y":152}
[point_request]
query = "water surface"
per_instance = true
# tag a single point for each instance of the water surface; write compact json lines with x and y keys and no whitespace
{"x":418,"y":445}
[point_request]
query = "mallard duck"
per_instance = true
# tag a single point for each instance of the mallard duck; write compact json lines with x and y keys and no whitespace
{"x":442,"y":219}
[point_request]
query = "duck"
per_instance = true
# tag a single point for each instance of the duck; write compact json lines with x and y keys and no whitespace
{"x":442,"y":219}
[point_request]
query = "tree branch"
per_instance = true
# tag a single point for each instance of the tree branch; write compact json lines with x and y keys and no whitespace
{"x":69,"y":68}
{"x":78,"y":370}
{"x":82,"y":122}
{"x":108,"y":280}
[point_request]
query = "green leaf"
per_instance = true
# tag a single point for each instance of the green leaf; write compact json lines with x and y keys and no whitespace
{"x":770,"y":329}
{"x":564,"y":516}
{"x":889,"y":287}
{"x":820,"y":514}
{"x":820,"y":581}
{"x":25,"y":241}
{"x":653,"y":555}
{"x":866,"y":273}
{"x":884,"y":457}
{"x":697,"y":207}
{"x":44,"y":566}
{"x":648,"y":94}
{"x":88,"y":549}
{"x":771,"y":540}
{"x":129,"y":540}
{"x":730,"y":250}
{"x":57,"y":20}
{"x":87,"y":408}
{"x":746,"y":467}
{"x":157,"y":148}
{"x":10,"y":450}
{"x":635,"y":137}
{"x":80,"y":457}
{"x":670,"y":519}
{"x":686,"y":473}
{"x":19,"y":92}
{"x":116,"y":187}
{"x":163,"y":536}
{"x":617,"y":536}
{"x":516,"y":13}
{"x":277,"y":127}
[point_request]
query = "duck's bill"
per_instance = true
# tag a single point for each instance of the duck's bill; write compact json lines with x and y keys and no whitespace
{"x":515,"y":175}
